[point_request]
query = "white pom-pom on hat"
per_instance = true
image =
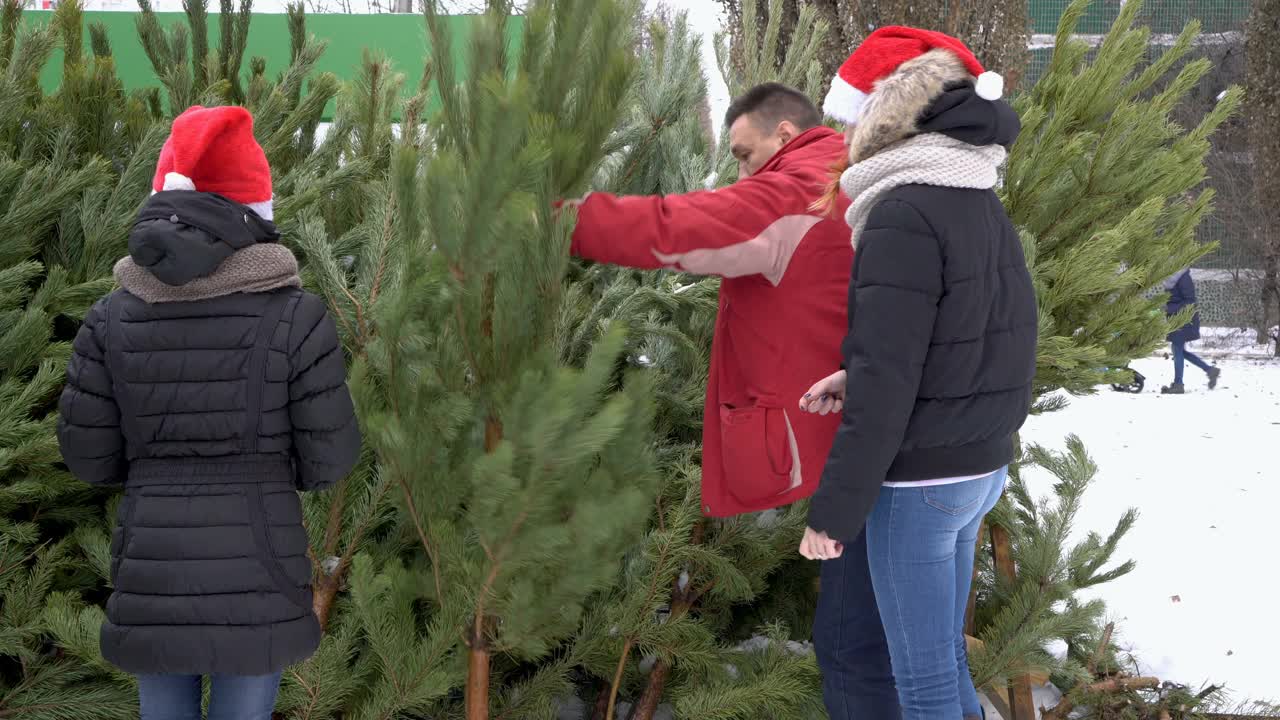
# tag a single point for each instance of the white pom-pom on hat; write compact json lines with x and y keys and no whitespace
{"x":990,"y":86}
{"x":178,"y":181}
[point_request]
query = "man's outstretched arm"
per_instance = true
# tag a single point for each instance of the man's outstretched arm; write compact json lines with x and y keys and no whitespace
{"x":744,"y":229}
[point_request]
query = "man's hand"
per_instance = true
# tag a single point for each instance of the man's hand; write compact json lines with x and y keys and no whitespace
{"x":574,"y":203}
{"x":817,"y":546}
{"x":827,"y":395}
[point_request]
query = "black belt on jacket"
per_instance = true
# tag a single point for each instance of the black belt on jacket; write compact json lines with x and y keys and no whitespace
{"x":252,"y":468}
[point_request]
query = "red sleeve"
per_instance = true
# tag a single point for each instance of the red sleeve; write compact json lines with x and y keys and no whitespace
{"x":747,"y":228}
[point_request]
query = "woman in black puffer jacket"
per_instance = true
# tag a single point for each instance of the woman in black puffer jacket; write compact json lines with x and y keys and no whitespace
{"x":940,"y":361}
{"x":212,"y":388}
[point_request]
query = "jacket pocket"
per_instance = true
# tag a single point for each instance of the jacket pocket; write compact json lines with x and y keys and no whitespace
{"x":120,"y":538}
{"x":755,"y":449}
{"x":296,"y":590}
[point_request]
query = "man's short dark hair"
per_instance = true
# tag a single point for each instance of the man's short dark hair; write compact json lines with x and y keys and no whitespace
{"x":771,"y":103}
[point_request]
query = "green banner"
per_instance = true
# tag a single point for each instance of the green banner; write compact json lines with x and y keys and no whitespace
{"x":401,"y":38}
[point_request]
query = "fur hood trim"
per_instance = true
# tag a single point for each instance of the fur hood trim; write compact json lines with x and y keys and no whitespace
{"x":892,"y":112}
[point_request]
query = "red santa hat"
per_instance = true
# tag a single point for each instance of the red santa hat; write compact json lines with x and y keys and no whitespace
{"x":882,"y":53}
{"x":213,"y":150}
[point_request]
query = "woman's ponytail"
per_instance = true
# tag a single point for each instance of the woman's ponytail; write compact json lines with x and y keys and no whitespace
{"x":826,"y":203}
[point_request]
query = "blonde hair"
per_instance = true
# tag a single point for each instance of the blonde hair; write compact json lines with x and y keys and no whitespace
{"x":827,"y":202}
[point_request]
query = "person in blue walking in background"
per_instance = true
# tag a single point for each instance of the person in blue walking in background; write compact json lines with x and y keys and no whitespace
{"x":1182,"y":293}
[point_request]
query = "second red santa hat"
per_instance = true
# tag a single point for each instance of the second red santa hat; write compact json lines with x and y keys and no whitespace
{"x":213,"y":150}
{"x":880,"y":55}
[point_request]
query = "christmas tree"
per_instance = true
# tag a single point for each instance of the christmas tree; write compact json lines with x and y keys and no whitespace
{"x":672,"y":629}
{"x":520,"y":464}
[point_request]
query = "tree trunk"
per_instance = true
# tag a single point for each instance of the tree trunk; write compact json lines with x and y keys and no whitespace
{"x":1125,"y":684}
{"x":1271,"y":301}
{"x":478,"y":655}
{"x":478,"y":679}
{"x":323,"y":595}
{"x":1262,"y":93}
{"x":602,"y":702}
{"x":682,"y":600}
{"x":1020,"y":700}
{"x":649,"y":700}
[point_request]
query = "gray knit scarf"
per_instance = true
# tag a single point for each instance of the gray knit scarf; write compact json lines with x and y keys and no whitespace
{"x":929,"y":159}
{"x":257,"y":268}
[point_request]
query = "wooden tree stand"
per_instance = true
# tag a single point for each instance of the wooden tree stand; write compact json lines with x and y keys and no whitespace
{"x":1002,"y":698}
{"x":1014,"y":702}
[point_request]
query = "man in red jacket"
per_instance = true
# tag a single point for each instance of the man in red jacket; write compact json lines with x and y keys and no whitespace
{"x":782,"y":312}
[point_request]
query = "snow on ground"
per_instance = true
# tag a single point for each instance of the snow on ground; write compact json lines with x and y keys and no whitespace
{"x":1201,"y":607}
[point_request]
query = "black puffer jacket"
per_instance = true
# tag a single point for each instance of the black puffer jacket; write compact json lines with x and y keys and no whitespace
{"x":212,"y":414}
{"x":941,"y":352}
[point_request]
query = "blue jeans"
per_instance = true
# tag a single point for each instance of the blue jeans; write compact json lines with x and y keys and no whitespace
{"x":231,"y":697}
{"x":889,"y":631}
{"x":1181,"y":354}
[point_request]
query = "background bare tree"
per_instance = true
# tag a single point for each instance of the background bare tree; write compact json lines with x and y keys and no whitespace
{"x":996,"y":30}
{"x":1263,"y":117}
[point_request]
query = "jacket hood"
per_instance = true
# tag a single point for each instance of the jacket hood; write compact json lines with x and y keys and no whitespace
{"x":1173,"y":279}
{"x":181,"y":236}
{"x":933,"y":93}
{"x":959,"y":113}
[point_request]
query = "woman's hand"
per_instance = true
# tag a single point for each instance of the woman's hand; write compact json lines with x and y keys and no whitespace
{"x":817,"y":546}
{"x":826,"y":396}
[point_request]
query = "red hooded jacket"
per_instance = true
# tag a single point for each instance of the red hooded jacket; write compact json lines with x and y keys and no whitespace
{"x":783,"y":311}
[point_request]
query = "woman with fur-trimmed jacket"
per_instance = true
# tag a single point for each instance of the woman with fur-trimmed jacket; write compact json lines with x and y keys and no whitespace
{"x":213,"y":389}
{"x":939,"y":359}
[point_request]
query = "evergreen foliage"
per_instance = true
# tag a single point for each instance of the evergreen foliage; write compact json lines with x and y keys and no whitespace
{"x":671,"y":629}
{"x":998,"y":32}
{"x":1015,"y":620}
{"x":659,"y":146}
{"x":1107,"y":189}
{"x":518,"y":479}
{"x":74,"y":167}
{"x":749,"y":54}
